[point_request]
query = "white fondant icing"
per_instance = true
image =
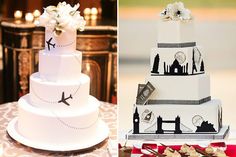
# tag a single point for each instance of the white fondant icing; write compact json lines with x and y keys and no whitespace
{"x":60,"y":67}
{"x":64,"y":43}
{"x":181,"y":87}
{"x":52,"y":127}
{"x":191,"y":87}
{"x":208,"y":111}
{"x":58,"y":113}
{"x":183,"y":56}
{"x":46,"y":94}
{"x":175,"y":31}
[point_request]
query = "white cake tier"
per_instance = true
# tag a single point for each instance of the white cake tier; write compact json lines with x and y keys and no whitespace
{"x":193,"y":89}
{"x":191,"y":117}
{"x":60,"y":67}
{"x":177,"y":61}
{"x":53,"y":127}
{"x":175,"y":31}
{"x":46,"y":94}
{"x":63,"y":43}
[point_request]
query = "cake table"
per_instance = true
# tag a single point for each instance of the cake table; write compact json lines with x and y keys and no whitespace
{"x":13,"y":148}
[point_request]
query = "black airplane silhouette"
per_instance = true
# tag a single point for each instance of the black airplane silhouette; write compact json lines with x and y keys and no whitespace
{"x":50,"y":44}
{"x":63,"y":99}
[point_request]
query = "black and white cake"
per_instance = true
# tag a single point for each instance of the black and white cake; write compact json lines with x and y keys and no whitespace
{"x":175,"y":101}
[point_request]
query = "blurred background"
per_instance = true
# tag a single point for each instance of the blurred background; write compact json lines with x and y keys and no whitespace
{"x":21,"y":40}
{"x":215,"y":31}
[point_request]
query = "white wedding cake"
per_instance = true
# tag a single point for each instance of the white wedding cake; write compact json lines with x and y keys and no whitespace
{"x":175,"y":101}
{"x":58,"y":113}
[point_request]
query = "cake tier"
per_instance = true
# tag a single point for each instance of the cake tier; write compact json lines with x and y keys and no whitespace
{"x":192,"y":89}
{"x":59,"y":96}
{"x":177,"y":61}
{"x":175,"y":32}
{"x":206,"y":117}
{"x":53,"y":127}
{"x":63,"y":43}
{"x":60,"y":67}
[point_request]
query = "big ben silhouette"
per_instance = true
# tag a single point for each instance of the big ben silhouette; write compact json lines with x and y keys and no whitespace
{"x":136,"y":122}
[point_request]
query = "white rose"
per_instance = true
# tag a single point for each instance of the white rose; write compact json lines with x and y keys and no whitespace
{"x":61,"y":4}
{"x":169,"y":7}
{"x":63,"y":10}
{"x":180,"y":5}
{"x":43,"y":19}
{"x":79,"y":23}
{"x":51,"y":23}
{"x":186,"y":14}
{"x":62,"y":17}
{"x":51,"y":11}
{"x":176,"y":11}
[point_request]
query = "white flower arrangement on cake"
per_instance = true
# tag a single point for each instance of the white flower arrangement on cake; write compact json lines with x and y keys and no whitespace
{"x":61,"y":17}
{"x":176,"y":11}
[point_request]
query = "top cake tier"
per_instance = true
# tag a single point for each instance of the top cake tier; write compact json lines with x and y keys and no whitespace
{"x":61,"y":23}
{"x":176,"y":32}
{"x":176,"y":26}
{"x":63,"y":43}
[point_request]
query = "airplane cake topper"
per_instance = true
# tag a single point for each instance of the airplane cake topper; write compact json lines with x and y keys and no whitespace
{"x":63,"y":99}
{"x":50,"y":44}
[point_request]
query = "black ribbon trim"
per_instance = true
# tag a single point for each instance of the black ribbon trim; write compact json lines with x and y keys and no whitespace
{"x":176,"y":45}
{"x":184,"y":102}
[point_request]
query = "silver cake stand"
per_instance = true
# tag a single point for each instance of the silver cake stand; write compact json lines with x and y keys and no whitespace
{"x":222,"y":134}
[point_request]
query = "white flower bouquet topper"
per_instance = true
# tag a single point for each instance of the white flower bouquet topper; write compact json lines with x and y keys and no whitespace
{"x":176,"y":11}
{"x":61,"y":17}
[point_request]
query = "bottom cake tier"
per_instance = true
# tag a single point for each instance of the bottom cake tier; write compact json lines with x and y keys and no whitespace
{"x":59,"y":128}
{"x":178,"y":119}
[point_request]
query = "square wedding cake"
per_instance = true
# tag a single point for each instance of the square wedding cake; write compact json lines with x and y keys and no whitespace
{"x":175,"y":101}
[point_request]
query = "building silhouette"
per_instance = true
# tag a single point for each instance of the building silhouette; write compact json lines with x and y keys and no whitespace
{"x":156,"y":64}
{"x":175,"y":68}
{"x":136,"y":122}
{"x":160,"y":121}
{"x":202,"y":68}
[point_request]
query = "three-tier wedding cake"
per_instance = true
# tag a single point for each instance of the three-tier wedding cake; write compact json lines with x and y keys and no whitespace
{"x":175,"y":102}
{"x":58,"y":113}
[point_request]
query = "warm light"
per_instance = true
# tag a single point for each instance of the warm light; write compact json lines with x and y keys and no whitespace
{"x":93,"y":21}
{"x":94,"y":11}
{"x":87,"y":11}
{"x":87,"y":17}
{"x":29,"y":17}
{"x":36,"y":13}
{"x":100,"y":11}
{"x":87,"y":67}
{"x":18,"y":14}
{"x":36,"y":22}
{"x":93,"y":17}
{"x":1,"y":149}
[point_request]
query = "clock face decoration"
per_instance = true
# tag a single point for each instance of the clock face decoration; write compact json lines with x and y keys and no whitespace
{"x":197,"y":55}
{"x":180,"y":57}
{"x":147,"y":116}
{"x":197,"y":120}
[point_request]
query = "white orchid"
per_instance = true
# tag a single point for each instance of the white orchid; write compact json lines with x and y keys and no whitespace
{"x":176,"y":11}
{"x":61,"y":17}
